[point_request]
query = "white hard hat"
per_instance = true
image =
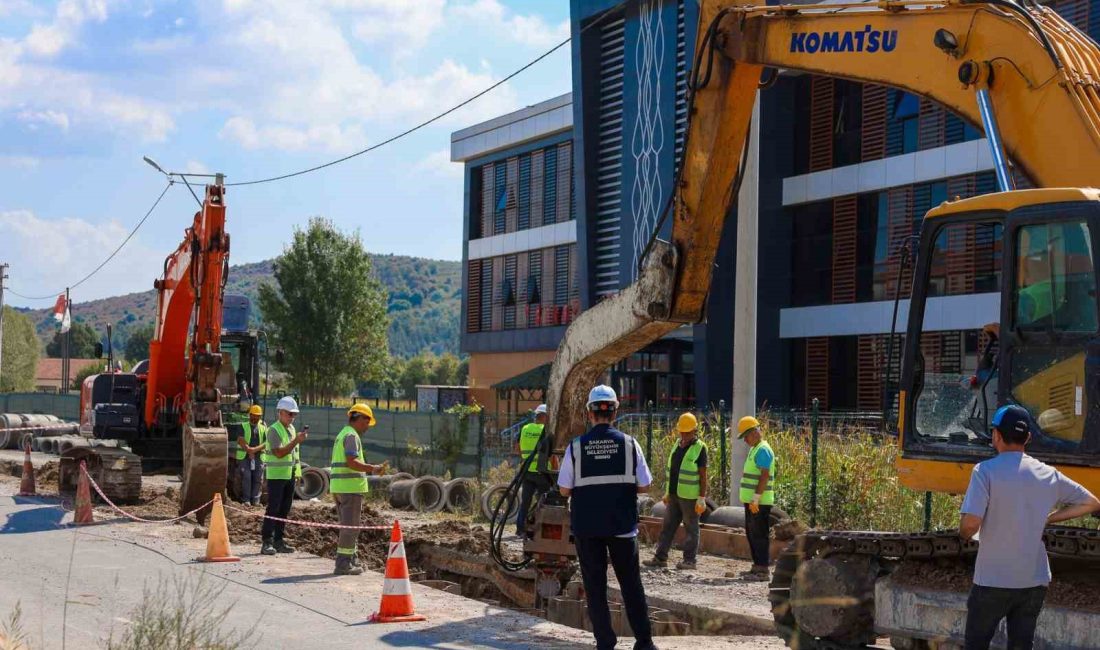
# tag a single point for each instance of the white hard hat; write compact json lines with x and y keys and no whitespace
{"x":602,"y":393}
{"x":541,"y":408}
{"x":287,"y":404}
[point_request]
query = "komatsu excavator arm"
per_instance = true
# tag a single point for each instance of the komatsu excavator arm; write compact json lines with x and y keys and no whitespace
{"x":1038,"y":72}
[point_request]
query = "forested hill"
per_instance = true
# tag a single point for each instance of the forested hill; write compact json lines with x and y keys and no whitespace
{"x":424,"y":303}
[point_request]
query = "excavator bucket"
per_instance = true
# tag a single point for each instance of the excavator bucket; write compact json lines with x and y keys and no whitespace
{"x":205,"y":463}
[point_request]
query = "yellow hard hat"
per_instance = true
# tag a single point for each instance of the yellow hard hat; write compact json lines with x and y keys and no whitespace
{"x":687,"y":423}
{"x":256,"y":410}
{"x":363,"y":410}
{"x":746,"y":424}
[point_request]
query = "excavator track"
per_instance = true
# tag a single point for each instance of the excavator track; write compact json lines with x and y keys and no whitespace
{"x":840,"y":595}
{"x":205,"y":466}
{"x":116,"y":471}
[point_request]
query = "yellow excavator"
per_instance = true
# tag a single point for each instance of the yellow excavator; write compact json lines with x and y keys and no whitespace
{"x":1029,"y":79}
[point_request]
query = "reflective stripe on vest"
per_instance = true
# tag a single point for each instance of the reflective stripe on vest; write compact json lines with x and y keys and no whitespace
{"x":288,"y":466}
{"x":260,"y":429}
{"x":580,"y":480}
{"x":687,"y":482}
{"x":345,"y":480}
{"x":528,"y":440}
{"x":751,"y":477}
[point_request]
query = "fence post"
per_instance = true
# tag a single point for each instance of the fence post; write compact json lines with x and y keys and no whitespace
{"x":649,"y":433}
{"x":927,"y":511}
{"x":724,"y":478}
{"x":480,"y":445}
{"x":813,"y":464}
{"x":393,"y":432}
{"x":431,"y":444}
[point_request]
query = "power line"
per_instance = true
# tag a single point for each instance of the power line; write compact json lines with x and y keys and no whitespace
{"x":51,"y":296}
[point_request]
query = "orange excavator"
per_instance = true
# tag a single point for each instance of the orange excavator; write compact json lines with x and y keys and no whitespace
{"x":172,"y":410}
{"x":1028,"y":78}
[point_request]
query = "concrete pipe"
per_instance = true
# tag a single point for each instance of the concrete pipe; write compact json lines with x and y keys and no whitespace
{"x":645,"y":504}
{"x":492,"y":496}
{"x":377,"y":483}
{"x":48,"y":445}
{"x":459,"y":495}
{"x":312,"y":485}
{"x":10,"y":439}
{"x":424,"y":494}
{"x":659,"y":510}
{"x":65,"y":444}
{"x":734,"y":516}
{"x":401,"y":476}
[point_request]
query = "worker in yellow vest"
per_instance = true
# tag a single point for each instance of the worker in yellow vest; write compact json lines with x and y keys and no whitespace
{"x":758,"y":495}
{"x":349,"y":484}
{"x":284,"y":465}
{"x":685,"y":493}
{"x":533,"y":481}
{"x":250,"y":464}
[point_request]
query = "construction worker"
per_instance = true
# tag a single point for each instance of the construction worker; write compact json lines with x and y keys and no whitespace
{"x":758,"y":496}
{"x":602,"y":472}
{"x":250,"y":464}
{"x":349,"y":484}
{"x":533,"y":481}
{"x":1011,"y":498}
{"x":685,"y":493}
{"x":284,"y":466}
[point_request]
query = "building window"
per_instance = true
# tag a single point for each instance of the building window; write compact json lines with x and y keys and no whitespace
{"x":524,"y":192}
{"x":904,"y":123}
{"x":475,"y":202}
{"x":550,"y":186}
{"x":501,"y":203}
{"x":812,"y":254}
{"x":486,"y":295}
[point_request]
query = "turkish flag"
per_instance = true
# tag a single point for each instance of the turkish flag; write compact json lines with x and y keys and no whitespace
{"x":59,"y":308}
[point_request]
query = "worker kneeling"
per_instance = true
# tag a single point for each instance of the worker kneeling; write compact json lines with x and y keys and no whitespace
{"x":603,"y":472}
{"x":349,"y":484}
{"x":685,"y":493}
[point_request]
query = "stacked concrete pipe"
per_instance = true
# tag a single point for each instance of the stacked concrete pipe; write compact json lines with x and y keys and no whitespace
{"x":490,"y":498}
{"x":460,"y":495}
{"x":425,"y":494}
{"x":313,"y":484}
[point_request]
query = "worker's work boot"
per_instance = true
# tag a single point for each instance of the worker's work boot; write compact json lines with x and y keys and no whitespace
{"x":686,"y":564}
{"x":267,"y":548}
{"x":656,"y":562}
{"x":282,"y":547}
{"x":757,"y":574}
{"x":345,"y":566}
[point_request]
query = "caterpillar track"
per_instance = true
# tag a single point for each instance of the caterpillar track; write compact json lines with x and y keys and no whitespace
{"x":825,"y":585}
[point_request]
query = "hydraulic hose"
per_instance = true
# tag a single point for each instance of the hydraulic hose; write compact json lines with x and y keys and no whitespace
{"x":499,"y":520}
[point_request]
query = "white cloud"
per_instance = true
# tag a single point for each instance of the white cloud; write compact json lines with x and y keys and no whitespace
{"x":439,"y":163}
{"x":33,"y":118}
{"x":195,"y":167}
{"x":165,"y":45}
{"x":47,"y":254}
{"x":69,"y":17}
{"x":529,"y":30}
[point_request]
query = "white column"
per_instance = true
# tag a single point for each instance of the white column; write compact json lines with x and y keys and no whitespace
{"x":744,"y":328}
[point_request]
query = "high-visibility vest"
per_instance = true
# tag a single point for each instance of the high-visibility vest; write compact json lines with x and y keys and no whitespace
{"x":261,"y":429}
{"x":344,"y":479}
{"x":528,"y":439}
{"x":289,"y":466}
{"x":751,"y":477}
{"x":687,"y":483}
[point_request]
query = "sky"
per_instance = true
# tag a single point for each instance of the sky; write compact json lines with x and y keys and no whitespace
{"x":249,"y":88}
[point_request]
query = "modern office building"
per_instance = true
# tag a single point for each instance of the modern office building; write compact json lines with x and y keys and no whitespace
{"x":847,"y":171}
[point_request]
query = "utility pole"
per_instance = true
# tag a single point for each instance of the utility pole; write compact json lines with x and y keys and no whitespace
{"x":3,"y":276}
{"x":65,"y":339}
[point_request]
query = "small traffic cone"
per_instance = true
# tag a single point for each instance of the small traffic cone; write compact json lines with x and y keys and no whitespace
{"x":26,"y":484}
{"x":83,"y":514}
{"x":217,"y":536}
{"x":397,"y":600}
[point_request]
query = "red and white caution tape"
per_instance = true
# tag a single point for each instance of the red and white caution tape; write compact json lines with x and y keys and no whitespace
{"x":307,"y":524}
{"x":58,"y":427}
{"x":135,"y":517}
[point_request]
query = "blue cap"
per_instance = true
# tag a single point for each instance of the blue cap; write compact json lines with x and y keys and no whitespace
{"x":1012,"y":418}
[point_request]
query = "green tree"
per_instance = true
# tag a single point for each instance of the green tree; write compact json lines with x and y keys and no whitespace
{"x":82,"y":343}
{"x":418,"y":370}
{"x":462,"y":375}
{"x":445,"y":370}
{"x":328,"y":312}
{"x":20,"y":360}
{"x":137,"y":344}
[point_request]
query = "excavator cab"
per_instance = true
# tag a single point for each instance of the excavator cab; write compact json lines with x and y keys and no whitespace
{"x":1025,"y":264}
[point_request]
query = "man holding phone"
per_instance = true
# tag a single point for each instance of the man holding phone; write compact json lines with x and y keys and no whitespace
{"x":284,"y":465}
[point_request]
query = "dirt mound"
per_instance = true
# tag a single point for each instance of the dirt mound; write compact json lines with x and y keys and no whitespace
{"x":1070,"y":589}
{"x":450,"y":534}
{"x":45,"y":477}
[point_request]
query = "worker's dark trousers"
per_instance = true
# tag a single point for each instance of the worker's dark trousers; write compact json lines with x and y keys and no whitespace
{"x":756,"y":530}
{"x":533,"y":484}
{"x":676,"y":511}
{"x":592,"y":553}
{"x":988,"y":605}
{"x":280,"y":494}
{"x":251,"y":480}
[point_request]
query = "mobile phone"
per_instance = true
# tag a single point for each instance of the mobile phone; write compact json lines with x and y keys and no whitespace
{"x":305,"y":428}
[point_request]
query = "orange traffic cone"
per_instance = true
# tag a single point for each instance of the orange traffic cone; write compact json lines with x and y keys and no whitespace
{"x":83,"y":514}
{"x":26,"y":484}
{"x":397,"y":600}
{"x":217,"y":536}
